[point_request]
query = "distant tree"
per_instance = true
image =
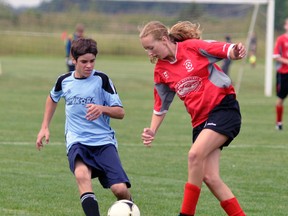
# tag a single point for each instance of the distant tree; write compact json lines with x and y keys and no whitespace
{"x":6,"y":12}
{"x":281,"y":8}
{"x":191,"y":12}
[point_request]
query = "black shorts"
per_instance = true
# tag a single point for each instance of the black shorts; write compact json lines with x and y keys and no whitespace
{"x":225,"y":119}
{"x":104,"y":162}
{"x":281,"y":85}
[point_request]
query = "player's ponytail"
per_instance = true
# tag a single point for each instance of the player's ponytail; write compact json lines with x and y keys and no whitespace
{"x":184,"y":31}
{"x":154,"y":28}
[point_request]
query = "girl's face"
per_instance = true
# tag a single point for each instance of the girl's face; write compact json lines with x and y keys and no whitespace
{"x":155,"y":48}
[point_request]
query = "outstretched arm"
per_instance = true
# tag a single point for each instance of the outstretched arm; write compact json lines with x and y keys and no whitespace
{"x":50,"y":108}
{"x":149,"y":133}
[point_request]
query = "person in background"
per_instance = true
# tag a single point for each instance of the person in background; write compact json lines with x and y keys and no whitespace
{"x":252,"y":50}
{"x":79,"y":33}
{"x":226,"y":62}
{"x":281,"y":57}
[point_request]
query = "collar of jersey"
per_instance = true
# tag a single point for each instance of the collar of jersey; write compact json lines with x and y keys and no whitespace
{"x":176,"y":52}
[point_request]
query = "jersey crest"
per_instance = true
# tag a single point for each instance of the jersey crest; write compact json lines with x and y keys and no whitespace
{"x":166,"y":75}
{"x":188,"y":65}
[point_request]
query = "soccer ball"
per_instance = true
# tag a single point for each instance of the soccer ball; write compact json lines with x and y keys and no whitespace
{"x":124,"y":208}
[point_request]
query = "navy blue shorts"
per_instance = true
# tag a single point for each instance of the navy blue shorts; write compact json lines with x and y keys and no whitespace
{"x":103,"y":160}
{"x":281,"y":85}
{"x":225,"y":119}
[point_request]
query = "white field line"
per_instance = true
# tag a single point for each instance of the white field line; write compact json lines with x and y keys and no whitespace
{"x":278,"y":146}
{"x":28,"y":143}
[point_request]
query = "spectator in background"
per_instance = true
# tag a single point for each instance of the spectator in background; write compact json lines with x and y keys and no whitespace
{"x":226,"y":62}
{"x":252,"y":50}
{"x":281,"y":58}
{"x":79,"y":33}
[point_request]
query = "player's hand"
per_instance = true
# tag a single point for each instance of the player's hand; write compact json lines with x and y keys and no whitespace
{"x":43,"y":133}
{"x":147,"y":137}
{"x":93,"y":112}
{"x":239,"y":51}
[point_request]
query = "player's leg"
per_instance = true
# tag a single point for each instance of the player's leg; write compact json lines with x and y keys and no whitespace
{"x":83,"y":178}
{"x":207,"y":142}
{"x":121,"y":191}
{"x":279,"y":113}
{"x":220,"y":190}
{"x":114,"y":176}
{"x":282,"y":91}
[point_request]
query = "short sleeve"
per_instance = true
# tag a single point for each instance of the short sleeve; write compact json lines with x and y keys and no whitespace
{"x":111,"y":97}
{"x":163,"y":97}
{"x":277,"y":49}
{"x":56,"y":93}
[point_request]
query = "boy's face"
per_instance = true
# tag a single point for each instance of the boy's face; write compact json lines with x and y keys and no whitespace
{"x":84,"y":65}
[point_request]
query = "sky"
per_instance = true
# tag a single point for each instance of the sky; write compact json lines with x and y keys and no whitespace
{"x":25,"y":3}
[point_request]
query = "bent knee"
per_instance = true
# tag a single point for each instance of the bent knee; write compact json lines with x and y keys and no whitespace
{"x":194,"y":158}
{"x":120,"y":191}
{"x":82,"y":174}
{"x":212,"y":180}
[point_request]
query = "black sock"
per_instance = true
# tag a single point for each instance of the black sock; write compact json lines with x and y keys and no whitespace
{"x":89,"y":204}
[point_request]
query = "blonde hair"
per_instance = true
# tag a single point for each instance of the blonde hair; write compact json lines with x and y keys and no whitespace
{"x":154,"y":28}
{"x":181,"y":31}
{"x":184,"y":31}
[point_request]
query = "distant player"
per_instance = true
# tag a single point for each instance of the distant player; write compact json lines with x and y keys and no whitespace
{"x":281,"y":58}
{"x":252,"y":50}
{"x":79,"y":33}
{"x":186,"y":67}
{"x":91,"y":100}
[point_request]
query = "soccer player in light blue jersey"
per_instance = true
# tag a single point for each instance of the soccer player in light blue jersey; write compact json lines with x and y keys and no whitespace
{"x":91,"y":100}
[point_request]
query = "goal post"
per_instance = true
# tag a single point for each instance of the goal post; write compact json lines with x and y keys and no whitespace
{"x":268,"y":83}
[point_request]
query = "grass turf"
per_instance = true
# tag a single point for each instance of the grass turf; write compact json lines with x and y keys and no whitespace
{"x":40,"y":183}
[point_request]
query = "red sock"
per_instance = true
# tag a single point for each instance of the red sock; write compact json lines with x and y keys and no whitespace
{"x":232,"y":207}
{"x":279,"y":113}
{"x":190,"y":199}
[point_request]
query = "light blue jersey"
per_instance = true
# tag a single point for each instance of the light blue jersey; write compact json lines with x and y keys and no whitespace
{"x":95,"y":89}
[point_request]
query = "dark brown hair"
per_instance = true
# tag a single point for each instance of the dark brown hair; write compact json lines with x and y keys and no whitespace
{"x":83,"y":46}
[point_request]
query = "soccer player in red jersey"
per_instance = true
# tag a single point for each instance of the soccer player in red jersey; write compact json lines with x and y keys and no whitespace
{"x":281,"y":57}
{"x":186,"y":67}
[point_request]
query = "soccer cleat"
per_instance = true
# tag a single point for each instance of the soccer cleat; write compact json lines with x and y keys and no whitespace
{"x":279,"y":126}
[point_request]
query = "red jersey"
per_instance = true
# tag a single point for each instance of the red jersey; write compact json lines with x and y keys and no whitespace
{"x":281,"y":50}
{"x":194,"y":77}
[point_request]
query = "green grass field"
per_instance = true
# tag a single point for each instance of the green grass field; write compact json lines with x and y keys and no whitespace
{"x":34,"y":183}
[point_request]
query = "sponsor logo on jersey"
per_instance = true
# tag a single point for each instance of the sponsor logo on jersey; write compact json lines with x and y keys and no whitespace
{"x":165,"y":74}
{"x":188,"y":65}
{"x":187,"y":85}
{"x":80,"y":101}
